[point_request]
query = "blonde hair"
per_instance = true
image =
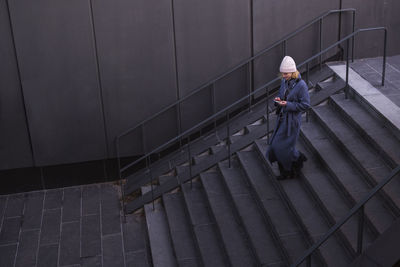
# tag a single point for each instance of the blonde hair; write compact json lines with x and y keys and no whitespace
{"x":295,"y":75}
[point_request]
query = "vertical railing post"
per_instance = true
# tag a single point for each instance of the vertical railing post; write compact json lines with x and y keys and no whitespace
{"x":308,"y":261}
{"x":250,"y":83}
{"x":144,"y":141}
{"x":120,"y":178}
{"x":340,"y":29}
{"x":347,"y":70}
{"x":384,"y":57}
{"x":150,"y":180}
{"x":353,"y":38}
{"x":320,"y":44}
{"x":307,"y":81}
{"x":284,"y":47}
{"x":214,"y":105}
{"x":190,"y":163}
{"x":267,"y":112}
{"x":360,"y":230}
{"x":179,"y":119}
{"x":228,"y":139}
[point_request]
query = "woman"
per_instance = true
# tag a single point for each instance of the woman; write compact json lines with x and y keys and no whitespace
{"x":292,"y":100}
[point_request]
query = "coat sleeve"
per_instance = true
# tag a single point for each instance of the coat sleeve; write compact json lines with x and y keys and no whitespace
{"x":302,"y":103}
{"x":281,"y":91}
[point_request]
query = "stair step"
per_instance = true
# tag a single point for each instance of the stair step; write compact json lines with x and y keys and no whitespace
{"x":159,"y":237}
{"x":367,"y":160}
{"x":232,"y":233}
{"x":373,"y":130}
{"x":347,"y":177}
{"x":367,"y":94}
{"x":136,"y":180}
{"x":319,"y":182}
{"x":244,"y":141}
{"x":211,"y":248}
{"x":180,"y":229}
{"x":282,"y":220}
{"x":327,"y":90}
{"x":320,"y":75}
{"x":312,"y":220}
{"x":250,"y":215}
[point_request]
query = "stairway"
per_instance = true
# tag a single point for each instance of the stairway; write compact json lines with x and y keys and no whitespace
{"x":236,"y":213}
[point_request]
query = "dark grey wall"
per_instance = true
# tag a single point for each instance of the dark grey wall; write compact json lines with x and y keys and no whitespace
{"x":54,"y":45}
{"x":15,"y":150}
{"x":91,"y":69}
{"x":137,"y":65}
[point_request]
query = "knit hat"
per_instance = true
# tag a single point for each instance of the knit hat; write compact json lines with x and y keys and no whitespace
{"x":288,"y":65}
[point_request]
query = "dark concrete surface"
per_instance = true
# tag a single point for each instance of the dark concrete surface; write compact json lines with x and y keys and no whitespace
{"x":371,"y":70}
{"x":74,"y":226}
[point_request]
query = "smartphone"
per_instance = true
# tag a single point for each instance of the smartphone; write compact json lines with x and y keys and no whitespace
{"x":277,"y":101}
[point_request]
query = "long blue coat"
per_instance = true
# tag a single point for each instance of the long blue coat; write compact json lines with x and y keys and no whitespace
{"x":282,"y":146}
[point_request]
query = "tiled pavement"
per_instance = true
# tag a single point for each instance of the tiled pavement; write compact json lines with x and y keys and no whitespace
{"x":75,"y":226}
{"x":371,"y":70}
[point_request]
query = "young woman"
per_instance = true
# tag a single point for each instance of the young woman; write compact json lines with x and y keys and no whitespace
{"x":292,"y":100}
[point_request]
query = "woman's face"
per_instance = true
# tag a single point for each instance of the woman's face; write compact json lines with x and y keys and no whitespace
{"x":286,"y":75}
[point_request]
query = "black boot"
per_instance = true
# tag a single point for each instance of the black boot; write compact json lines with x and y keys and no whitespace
{"x":298,"y":165}
{"x":284,"y":174}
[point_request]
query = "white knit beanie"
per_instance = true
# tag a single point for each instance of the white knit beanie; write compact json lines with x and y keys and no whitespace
{"x":288,"y":65}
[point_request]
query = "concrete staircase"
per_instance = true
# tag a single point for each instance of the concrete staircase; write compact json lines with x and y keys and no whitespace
{"x":239,"y":214}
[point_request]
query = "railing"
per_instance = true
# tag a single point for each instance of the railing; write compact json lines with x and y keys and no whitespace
{"x":229,"y":108}
{"x":359,"y":208}
{"x":177,"y":104}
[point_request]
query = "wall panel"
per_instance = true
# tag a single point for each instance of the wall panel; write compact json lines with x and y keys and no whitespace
{"x":136,"y":57}
{"x":369,"y":14}
{"x":15,"y":149}
{"x":273,"y":20}
{"x":55,"y":52}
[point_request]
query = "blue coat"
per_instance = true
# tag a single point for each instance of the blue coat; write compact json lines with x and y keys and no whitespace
{"x":282,"y":146}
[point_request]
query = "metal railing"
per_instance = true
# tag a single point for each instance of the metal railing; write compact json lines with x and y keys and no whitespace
{"x":226,"y":111}
{"x":177,"y":103}
{"x":359,"y":208}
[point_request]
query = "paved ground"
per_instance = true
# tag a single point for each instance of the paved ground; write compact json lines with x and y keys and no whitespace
{"x":371,"y":70}
{"x":76,"y":226}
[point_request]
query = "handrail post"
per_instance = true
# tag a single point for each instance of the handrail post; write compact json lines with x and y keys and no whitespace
{"x":353,"y":38}
{"x":284,"y":44}
{"x":228,"y":139}
{"x":308,"y":263}
{"x":120,"y":178}
{"x":150,"y":179}
{"x":267,"y":112}
{"x":190,"y":163}
{"x":144,"y":143}
{"x":179,"y":119}
{"x":249,"y":67}
{"x":308,"y":72}
{"x":214,"y":105}
{"x":384,"y":57}
{"x":320,"y":46}
{"x":347,"y":70}
{"x":360,"y":231}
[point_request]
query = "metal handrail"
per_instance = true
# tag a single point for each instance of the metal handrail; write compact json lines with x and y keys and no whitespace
{"x":357,"y":208}
{"x":241,"y":65}
{"x":306,"y":62}
{"x":178,"y":102}
{"x":226,"y":110}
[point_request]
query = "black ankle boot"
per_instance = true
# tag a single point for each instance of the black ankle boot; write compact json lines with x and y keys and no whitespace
{"x":298,"y":165}
{"x":283,"y":173}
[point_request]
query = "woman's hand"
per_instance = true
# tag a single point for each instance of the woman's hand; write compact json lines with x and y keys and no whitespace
{"x":277,"y":99}
{"x":282,"y":103}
